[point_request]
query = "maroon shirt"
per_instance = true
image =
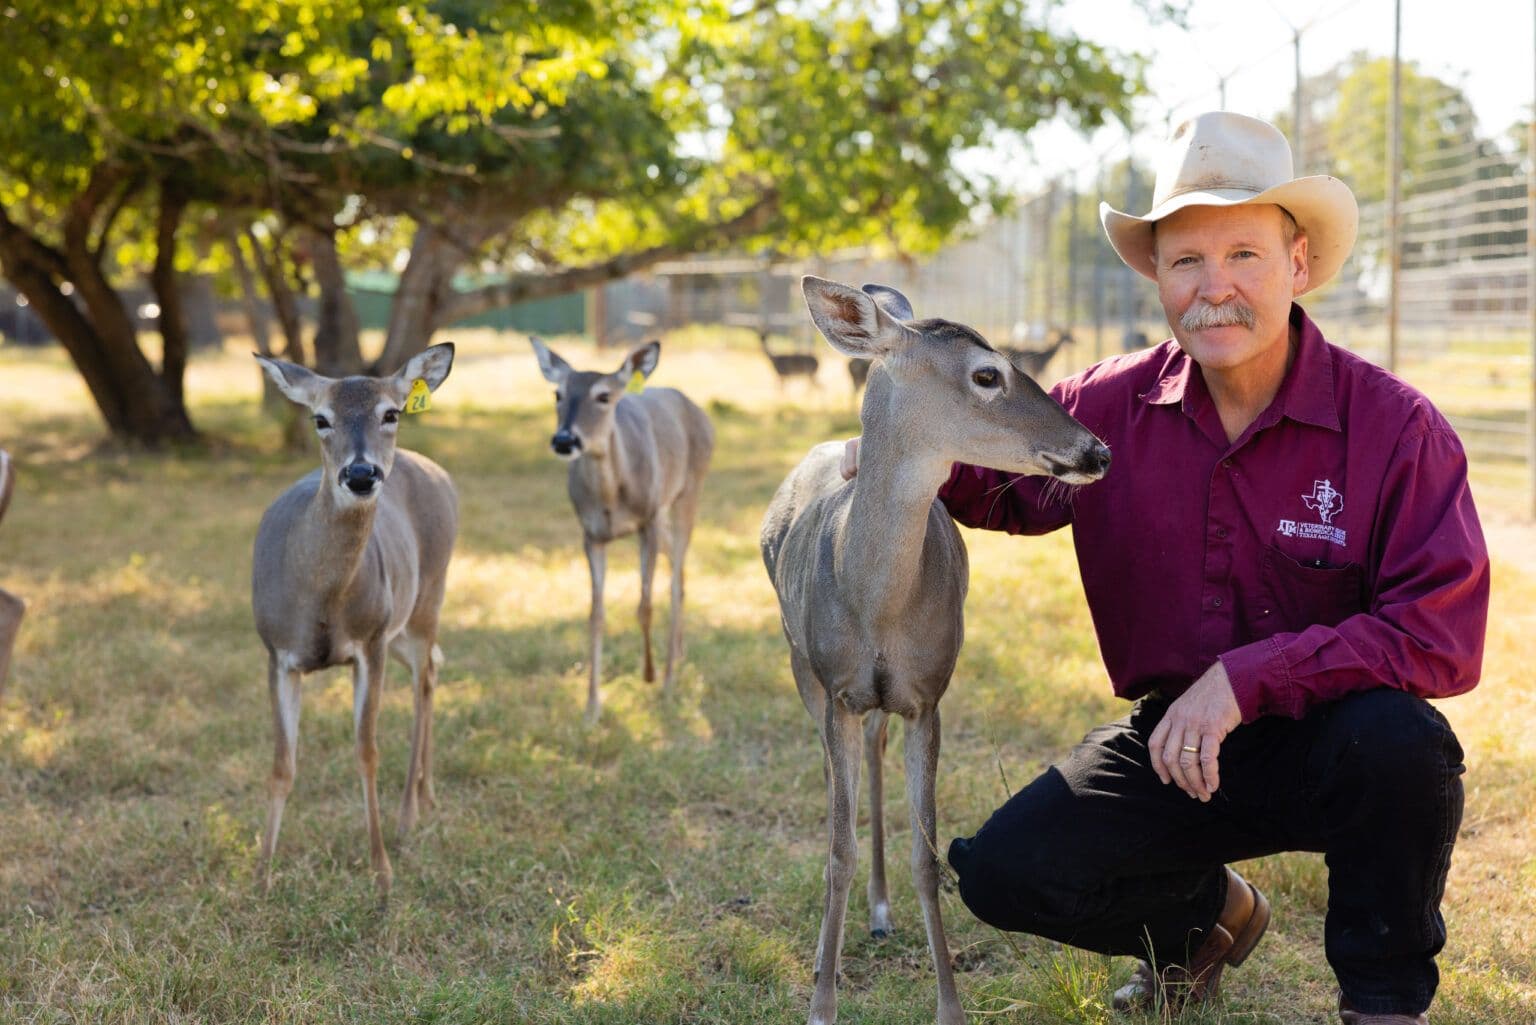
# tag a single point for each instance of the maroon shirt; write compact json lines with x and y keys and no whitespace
{"x":1333,"y":548}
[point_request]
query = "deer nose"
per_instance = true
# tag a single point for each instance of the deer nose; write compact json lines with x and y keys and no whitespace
{"x":1096,"y":461}
{"x":361,"y":478}
{"x":564,"y":442}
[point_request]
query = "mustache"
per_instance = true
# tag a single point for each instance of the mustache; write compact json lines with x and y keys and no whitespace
{"x":1228,"y":314}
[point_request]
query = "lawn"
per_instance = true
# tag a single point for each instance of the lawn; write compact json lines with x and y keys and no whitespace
{"x":663,"y":866}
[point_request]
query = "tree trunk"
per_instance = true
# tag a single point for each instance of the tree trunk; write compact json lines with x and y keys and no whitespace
{"x":284,"y":301}
{"x":255,"y":311}
{"x":337,"y":351}
{"x":167,"y":287}
{"x":130,"y":396}
{"x":424,"y":288}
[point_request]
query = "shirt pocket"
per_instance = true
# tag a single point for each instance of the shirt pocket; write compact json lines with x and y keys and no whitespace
{"x":1296,"y":595}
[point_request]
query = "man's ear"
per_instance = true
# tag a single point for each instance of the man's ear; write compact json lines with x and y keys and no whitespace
{"x":554,"y":369}
{"x":1301,"y":265}
{"x":300,"y":385}
{"x":851,"y":321}
{"x":641,"y":360}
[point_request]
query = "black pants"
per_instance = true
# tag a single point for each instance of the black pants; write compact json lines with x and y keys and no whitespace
{"x":1099,"y":854}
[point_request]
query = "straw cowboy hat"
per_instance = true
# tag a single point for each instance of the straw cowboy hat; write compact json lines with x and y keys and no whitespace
{"x":1224,"y":159}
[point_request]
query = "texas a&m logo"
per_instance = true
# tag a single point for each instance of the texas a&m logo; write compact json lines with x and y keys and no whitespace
{"x":1325,"y":500}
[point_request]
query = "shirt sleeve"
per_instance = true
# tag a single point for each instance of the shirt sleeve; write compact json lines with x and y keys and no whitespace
{"x":1427,"y":611}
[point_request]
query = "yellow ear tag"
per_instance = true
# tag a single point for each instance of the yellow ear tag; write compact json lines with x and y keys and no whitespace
{"x":636,"y":384}
{"x":420,"y":398}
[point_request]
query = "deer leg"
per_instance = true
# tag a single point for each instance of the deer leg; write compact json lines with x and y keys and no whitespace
{"x":428,"y":790}
{"x":842,"y":738}
{"x":648,"y":546}
{"x":12,"y":609}
{"x":597,"y":562}
{"x":682,"y":528}
{"x":367,"y":687}
{"x":874,"y":758}
{"x":417,"y":655}
{"x":921,"y":752}
{"x":283,"y":685}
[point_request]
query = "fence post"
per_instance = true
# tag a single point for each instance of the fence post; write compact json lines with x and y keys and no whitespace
{"x":1394,"y":186}
{"x":1530,"y":292}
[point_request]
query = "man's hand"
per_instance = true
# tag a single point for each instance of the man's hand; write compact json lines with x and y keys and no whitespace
{"x":849,"y":467}
{"x":1200,"y":718}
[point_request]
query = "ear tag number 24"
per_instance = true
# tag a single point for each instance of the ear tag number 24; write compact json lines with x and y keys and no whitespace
{"x":420,"y":398}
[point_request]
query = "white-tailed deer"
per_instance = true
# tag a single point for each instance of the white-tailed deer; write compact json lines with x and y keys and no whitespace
{"x":871,"y":574}
{"x":787,"y":365}
{"x":637,"y":462}
{"x":858,"y":373}
{"x":11,"y":607}
{"x":350,"y":567}
{"x":1034,"y":361}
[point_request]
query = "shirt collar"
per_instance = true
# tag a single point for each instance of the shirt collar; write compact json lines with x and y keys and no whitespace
{"x":1306,"y":394}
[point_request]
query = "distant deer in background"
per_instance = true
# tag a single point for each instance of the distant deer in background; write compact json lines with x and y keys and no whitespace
{"x":871,"y":574}
{"x":637,"y":463}
{"x":12,"y":608}
{"x":350,"y":566}
{"x":858,"y":373}
{"x":800,"y":364}
{"x":1034,"y":361}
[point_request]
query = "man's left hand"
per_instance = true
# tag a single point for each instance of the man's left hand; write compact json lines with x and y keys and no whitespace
{"x":1198,"y":719}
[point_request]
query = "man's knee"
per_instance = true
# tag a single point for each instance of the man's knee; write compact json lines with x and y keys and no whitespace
{"x":1393,"y":739}
{"x":1014,"y":885}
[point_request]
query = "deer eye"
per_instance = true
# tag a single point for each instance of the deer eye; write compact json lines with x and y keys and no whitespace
{"x":321,"y":423}
{"x":987,"y":377}
{"x":603,"y":397}
{"x":391,"y":416}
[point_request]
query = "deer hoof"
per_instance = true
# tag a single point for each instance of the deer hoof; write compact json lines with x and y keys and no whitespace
{"x":879,"y":934}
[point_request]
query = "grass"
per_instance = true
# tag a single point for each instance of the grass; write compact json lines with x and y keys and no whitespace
{"x":664,"y":866}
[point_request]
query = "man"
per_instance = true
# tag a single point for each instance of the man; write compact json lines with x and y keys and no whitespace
{"x":1283,"y":564}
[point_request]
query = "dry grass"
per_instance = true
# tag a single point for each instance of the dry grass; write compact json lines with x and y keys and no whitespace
{"x":665,"y":866}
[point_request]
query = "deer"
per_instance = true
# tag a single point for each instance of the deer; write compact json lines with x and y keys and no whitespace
{"x":871,"y":575}
{"x":802,"y":364}
{"x":858,"y":373}
{"x":637,"y":462}
{"x":12,"y":608}
{"x":350,"y":566}
{"x":1034,"y":361}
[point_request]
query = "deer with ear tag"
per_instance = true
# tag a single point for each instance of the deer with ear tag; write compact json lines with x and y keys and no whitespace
{"x":871,"y":574}
{"x":350,"y":567}
{"x":637,"y":462}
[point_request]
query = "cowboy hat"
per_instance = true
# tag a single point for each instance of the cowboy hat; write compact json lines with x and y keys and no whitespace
{"x":1225,"y":159}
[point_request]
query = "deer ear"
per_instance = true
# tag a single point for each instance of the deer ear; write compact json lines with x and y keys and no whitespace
{"x":890,"y":300}
{"x":850,"y":320}
{"x":641,"y":361}
{"x":554,"y":369}
{"x":300,"y":385}
{"x":430,"y":365}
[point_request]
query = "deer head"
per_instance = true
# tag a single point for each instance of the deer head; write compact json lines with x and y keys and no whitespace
{"x":946,"y":391}
{"x":585,"y":401}
{"x":356,"y":417}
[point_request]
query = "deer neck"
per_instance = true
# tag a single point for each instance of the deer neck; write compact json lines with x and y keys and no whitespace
{"x":880,"y":562}
{"x":602,"y":474}
{"x":329,"y":545}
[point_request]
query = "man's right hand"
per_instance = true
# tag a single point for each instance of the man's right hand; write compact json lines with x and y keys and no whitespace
{"x":849,"y":467}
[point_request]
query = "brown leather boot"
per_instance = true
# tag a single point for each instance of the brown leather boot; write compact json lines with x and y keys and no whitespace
{"x":1238,"y":928}
{"x":1349,"y":1016}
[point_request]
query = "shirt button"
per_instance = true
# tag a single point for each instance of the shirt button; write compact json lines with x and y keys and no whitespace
{"x":1227,"y":463}
{"x":1221,"y":531}
{"x":1217,"y":603}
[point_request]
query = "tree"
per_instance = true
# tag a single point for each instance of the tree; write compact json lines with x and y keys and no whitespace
{"x":566,"y":143}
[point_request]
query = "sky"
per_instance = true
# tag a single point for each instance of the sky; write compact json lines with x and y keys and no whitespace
{"x":1487,"y":47}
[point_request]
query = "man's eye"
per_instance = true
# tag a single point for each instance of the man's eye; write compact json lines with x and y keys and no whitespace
{"x":987,"y":377}
{"x":391,"y":416}
{"x":321,"y":423}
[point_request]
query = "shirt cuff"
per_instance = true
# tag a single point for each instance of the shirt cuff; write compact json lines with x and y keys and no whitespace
{"x":1260,"y":680}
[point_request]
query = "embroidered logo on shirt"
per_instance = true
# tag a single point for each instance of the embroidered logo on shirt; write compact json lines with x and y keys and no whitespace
{"x":1327,"y":501}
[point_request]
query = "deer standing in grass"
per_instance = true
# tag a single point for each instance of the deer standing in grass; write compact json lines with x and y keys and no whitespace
{"x":637,"y":462}
{"x":871,"y":574}
{"x":350,"y":566}
{"x":11,"y":607}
